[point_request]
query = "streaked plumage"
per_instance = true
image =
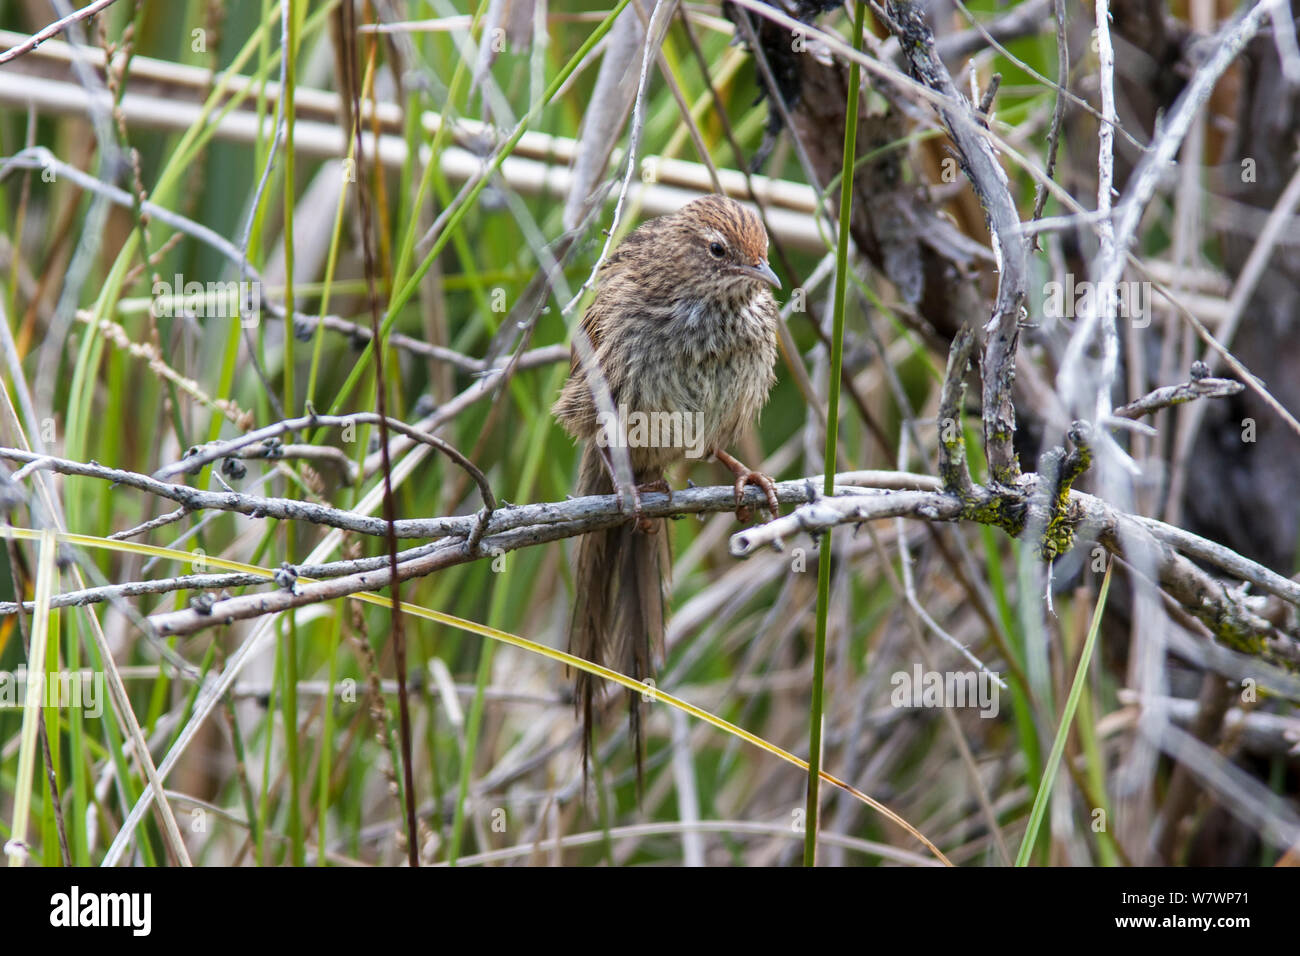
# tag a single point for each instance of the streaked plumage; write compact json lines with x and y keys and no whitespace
{"x":683,"y":321}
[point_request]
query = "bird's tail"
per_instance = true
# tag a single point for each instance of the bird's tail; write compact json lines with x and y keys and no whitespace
{"x":618,"y":612}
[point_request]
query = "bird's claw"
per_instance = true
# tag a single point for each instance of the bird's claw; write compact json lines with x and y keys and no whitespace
{"x":743,"y":513}
{"x":644,"y":524}
{"x":659,"y":486}
{"x":747,"y":476}
{"x":624,"y":492}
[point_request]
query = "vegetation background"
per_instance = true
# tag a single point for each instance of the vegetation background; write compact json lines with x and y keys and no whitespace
{"x":504,"y":130}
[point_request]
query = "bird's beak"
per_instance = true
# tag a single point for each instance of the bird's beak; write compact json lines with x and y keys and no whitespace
{"x":764,"y":272}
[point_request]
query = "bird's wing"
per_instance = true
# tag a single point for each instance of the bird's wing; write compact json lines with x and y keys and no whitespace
{"x":576,"y":407}
{"x":592,"y":326}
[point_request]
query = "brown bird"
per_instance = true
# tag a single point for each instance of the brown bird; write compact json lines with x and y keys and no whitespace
{"x":681,"y":333}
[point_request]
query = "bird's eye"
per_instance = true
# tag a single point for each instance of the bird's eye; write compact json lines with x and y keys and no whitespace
{"x":717,"y":249}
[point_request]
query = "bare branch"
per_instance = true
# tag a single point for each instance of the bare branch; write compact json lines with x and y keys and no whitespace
{"x":54,"y":29}
{"x":1229,"y":614}
{"x":1203,"y":387}
{"x":980,"y":163}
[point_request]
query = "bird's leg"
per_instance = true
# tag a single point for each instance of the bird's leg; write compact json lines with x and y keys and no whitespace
{"x":658,"y":485}
{"x":633,"y":491}
{"x":747,"y":476}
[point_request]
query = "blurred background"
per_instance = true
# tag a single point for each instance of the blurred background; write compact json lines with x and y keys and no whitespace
{"x":497,"y":141}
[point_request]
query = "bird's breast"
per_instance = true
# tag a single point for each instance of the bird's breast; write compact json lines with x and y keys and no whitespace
{"x":710,"y":358}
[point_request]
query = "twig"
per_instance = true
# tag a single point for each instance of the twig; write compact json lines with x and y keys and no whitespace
{"x":273,"y":451}
{"x":207,"y":454}
{"x":1002,"y":331}
{"x":1227,"y":613}
{"x":1217,"y":346}
{"x":952,"y":440}
{"x":1058,"y":109}
{"x":1250,"y":380}
{"x":653,"y":37}
{"x":161,"y":521}
{"x":851,"y":503}
{"x":306,"y":324}
{"x":1081,"y":391}
{"x":54,"y":29}
{"x":214,"y":582}
{"x":1178,"y":395}
{"x":195,"y":500}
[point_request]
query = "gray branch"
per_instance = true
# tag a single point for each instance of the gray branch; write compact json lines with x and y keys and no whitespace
{"x":1232,"y":615}
{"x":1178,"y":395}
{"x":980,"y":163}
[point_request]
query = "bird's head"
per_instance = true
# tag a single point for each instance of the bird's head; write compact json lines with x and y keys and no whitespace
{"x":712,"y":248}
{"x":726,"y":243}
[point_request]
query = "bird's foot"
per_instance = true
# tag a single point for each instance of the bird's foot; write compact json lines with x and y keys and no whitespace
{"x":747,"y":476}
{"x":658,"y":486}
{"x":661,"y":486}
{"x":634,"y":492}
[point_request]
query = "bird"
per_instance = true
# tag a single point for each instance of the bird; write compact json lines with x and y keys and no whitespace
{"x":682,"y":330}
